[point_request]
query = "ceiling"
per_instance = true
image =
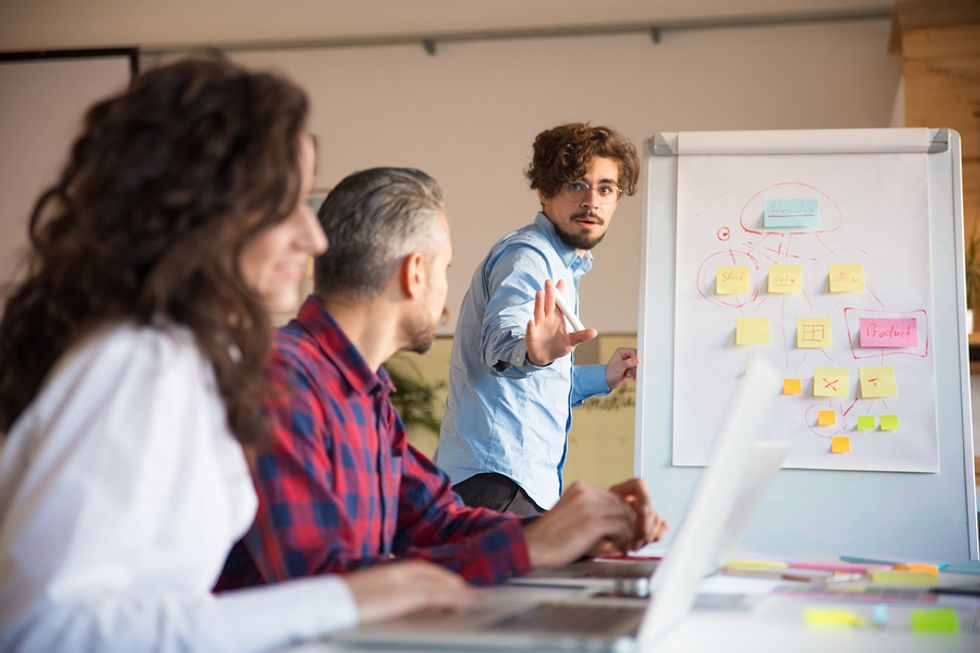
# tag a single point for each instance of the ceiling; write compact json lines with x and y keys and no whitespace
{"x":59,"y":24}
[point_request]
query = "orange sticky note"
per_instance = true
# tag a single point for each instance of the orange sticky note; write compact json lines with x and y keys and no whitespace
{"x":921,"y":567}
{"x":826,"y":418}
{"x":792,"y":387}
{"x":840,"y":444}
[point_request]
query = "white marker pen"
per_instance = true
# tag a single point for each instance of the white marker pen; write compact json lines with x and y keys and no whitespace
{"x":567,"y":312}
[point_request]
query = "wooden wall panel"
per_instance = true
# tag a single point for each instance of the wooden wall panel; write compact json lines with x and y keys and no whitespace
{"x":941,"y":71}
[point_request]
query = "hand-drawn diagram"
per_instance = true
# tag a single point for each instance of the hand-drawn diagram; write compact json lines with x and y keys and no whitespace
{"x":842,"y":282}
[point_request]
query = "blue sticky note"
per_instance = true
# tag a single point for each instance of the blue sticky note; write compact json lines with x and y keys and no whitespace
{"x":964,"y":567}
{"x":791,"y":213}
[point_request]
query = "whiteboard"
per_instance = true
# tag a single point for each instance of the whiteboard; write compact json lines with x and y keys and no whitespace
{"x":890,"y":201}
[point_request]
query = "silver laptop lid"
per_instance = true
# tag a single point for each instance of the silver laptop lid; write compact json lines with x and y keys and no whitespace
{"x":695,"y":549}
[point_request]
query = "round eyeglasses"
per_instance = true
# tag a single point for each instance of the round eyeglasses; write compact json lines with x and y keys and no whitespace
{"x":579,"y":191}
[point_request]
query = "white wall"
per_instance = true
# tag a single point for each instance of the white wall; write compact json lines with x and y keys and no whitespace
{"x":42,"y":103}
{"x":468,"y":115}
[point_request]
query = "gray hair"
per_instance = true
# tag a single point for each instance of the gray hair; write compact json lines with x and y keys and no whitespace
{"x":373,"y":219}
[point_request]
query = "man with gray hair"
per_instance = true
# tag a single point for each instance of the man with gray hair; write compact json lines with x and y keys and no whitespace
{"x":339,"y":486}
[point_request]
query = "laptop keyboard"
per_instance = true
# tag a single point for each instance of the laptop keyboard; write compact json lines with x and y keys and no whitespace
{"x":569,"y":618}
{"x":614,"y":570}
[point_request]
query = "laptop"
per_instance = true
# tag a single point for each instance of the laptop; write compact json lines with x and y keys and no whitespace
{"x":766,"y":459}
{"x":522,"y":617}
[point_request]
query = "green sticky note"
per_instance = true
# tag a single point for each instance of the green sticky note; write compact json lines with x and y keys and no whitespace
{"x":866,"y":423}
{"x":934,"y":620}
{"x":889,"y":422}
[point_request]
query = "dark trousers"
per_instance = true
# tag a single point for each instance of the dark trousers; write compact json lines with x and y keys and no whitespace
{"x":497,"y":492}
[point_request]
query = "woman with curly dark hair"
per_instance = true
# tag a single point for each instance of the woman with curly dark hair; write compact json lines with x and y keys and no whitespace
{"x":131,"y":366}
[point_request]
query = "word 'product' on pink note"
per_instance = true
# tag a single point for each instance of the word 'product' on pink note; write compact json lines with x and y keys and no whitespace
{"x":889,"y":332}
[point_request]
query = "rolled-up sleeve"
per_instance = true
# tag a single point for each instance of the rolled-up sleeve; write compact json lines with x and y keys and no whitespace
{"x":588,"y":381}
{"x":513,"y":278}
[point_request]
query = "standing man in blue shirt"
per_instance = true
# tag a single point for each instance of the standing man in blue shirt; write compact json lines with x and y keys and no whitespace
{"x":512,"y":382}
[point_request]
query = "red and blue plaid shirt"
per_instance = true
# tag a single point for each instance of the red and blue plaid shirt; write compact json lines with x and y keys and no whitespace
{"x":339,"y":485}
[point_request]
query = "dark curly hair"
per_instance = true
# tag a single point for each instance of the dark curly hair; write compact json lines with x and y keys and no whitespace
{"x":166,"y":184}
{"x":562,"y":154}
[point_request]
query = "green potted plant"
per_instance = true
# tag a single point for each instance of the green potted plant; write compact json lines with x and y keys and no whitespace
{"x":417,"y":401}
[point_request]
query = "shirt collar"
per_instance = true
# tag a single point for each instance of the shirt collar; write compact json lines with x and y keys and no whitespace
{"x":568,"y":254}
{"x":337,"y":347}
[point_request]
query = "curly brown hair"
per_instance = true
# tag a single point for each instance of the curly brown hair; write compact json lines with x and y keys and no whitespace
{"x":166,"y":184}
{"x":562,"y":154}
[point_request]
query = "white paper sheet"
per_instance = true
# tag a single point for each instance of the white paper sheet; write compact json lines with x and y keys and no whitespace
{"x":874,"y":212}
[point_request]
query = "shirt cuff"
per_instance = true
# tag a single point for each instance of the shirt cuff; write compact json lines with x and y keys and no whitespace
{"x":522,"y":556}
{"x":285,"y":613}
{"x":590,"y":380}
{"x":518,"y":365}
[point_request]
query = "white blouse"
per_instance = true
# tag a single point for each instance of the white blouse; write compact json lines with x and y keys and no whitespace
{"x":121,"y":492}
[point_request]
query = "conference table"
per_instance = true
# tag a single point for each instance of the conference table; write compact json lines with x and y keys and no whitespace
{"x":774,"y":621}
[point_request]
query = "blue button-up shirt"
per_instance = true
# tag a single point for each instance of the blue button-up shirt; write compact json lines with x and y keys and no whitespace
{"x":505,"y":414}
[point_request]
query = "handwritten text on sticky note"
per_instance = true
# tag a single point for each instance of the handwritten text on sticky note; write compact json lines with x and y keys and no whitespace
{"x":878,"y":382}
{"x":732,"y":280}
{"x":830,"y":382}
{"x":785,"y":278}
{"x":888,"y":332}
{"x":846,"y":277}
{"x":790,"y":213}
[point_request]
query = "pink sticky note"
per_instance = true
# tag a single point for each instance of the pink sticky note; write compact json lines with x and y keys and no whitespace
{"x":835,"y":566}
{"x":889,"y":332}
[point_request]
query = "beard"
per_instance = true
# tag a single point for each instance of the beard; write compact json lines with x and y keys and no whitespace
{"x":579,"y":241}
{"x":421,"y":334}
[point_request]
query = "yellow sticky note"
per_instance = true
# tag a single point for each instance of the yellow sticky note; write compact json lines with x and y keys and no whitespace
{"x":840,"y":444}
{"x":898,"y":577}
{"x":813,"y":332}
{"x":752,"y":331}
{"x":830,"y":382}
{"x":878,"y":382}
{"x":732,"y":280}
{"x":826,"y":418}
{"x":785,"y":278}
{"x":832,"y":617}
{"x":792,"y":387}
{"x":846,"y":277}
{"x":756,"y":564}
